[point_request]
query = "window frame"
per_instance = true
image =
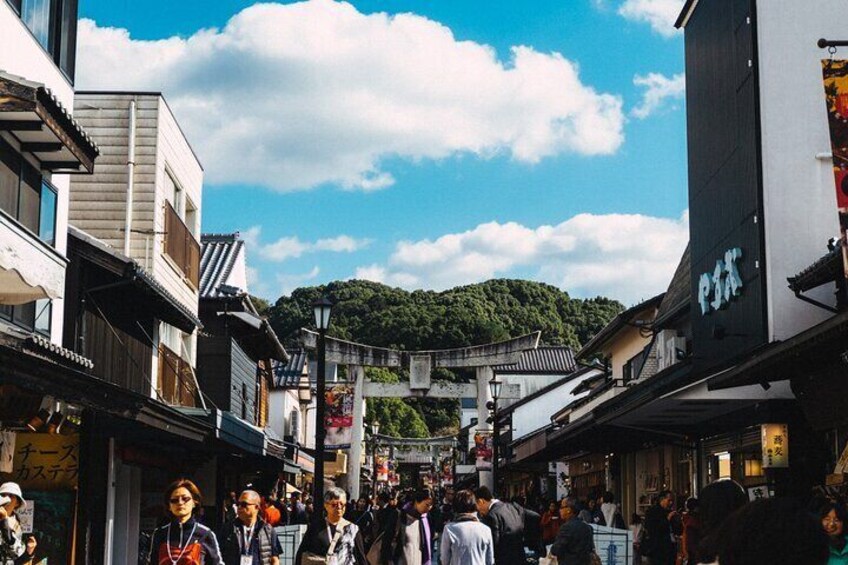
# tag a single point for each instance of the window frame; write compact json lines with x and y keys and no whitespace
{"x":36,"y":181}
{"x":62,"y":40}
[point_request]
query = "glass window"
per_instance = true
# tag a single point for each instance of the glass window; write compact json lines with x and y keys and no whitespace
{"x":9,"y":181}
{"x":68,"y":40}
{"x":24,"y":315}
{"x":43,"y":311}
{"x":47,"y":217}
{"x":29,"y":206}
{"x":36,"y":14}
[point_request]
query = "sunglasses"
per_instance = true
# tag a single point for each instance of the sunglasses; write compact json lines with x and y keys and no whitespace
{"x":245,"y":504}
{"x":179,"y":499}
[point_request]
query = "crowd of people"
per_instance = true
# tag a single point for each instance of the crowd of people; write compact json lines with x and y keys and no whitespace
{"x":416,"y":527}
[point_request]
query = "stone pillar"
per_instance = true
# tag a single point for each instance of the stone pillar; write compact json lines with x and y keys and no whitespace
{"x":484,"y":395}
{"x":354,"y":464}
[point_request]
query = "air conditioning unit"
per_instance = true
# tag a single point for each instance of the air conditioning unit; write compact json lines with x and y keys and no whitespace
{"x":671,"y":348}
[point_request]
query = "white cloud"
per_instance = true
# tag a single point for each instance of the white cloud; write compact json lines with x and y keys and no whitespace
{"x":658,"y":89}
{"x":294,"y":96}
{"x":293,"y":248}
{"x":289,"y":282}
{"x":624,"y":256}
{"x":659,"y":14}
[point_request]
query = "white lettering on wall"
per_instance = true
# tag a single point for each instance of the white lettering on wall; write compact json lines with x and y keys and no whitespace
{"x":717,"y":289}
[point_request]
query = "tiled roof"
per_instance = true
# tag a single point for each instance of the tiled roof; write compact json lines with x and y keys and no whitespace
{"x":677,"y":296}
{"x":218,"y":255}
{"x":287,"y":375}
{"x":542,"y":360}
{"x":826,"y":269}
{"x":617,"y":323}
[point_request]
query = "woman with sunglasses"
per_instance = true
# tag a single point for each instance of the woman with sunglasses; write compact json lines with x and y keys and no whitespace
{"x":183,"y":540}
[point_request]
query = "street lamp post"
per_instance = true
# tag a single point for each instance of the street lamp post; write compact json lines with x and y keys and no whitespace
{"x":322,"y":309}
{"x":375,"y":429}
{"x":495,"y":388}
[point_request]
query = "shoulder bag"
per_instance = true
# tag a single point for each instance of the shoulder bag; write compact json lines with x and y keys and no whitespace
{"x":309,"y":558}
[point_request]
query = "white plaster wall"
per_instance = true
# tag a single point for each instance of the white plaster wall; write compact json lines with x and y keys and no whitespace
{"x":537,"y":413}
{"x":277,"y":411}
{"x":799,"y":193}
{"x":22,"y":55}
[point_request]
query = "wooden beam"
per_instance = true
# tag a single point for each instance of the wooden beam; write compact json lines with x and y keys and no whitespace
{"x":20,"y":125}
{"x":436,"y":390}
{"x":38,"y":147}
{"x":60,"y":165}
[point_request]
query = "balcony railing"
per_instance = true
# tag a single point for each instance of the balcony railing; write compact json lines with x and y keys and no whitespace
{"x":176,"y":382}
{"x":181,"y":246}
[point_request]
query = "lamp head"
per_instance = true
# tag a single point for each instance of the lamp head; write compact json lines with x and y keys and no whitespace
{"x":322,"y":309}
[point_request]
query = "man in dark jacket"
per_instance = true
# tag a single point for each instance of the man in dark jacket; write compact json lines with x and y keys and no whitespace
{"x":658,"y":545}
{"x":506,"y":520}
{"x":573,"y":544}
{"x":248,"y":536}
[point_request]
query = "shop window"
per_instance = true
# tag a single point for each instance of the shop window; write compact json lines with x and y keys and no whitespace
{"x":754,"y":468}
{"x":724,"y":465}
{"x":53,"y":24}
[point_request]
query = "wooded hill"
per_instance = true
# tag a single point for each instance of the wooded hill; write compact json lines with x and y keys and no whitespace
{"x":379,"y":315}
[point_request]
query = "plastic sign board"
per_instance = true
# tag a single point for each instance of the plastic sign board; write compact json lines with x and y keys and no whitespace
{"x":775,"y":438}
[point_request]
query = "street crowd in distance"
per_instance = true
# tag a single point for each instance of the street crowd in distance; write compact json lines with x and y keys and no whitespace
{"x":471,"y":527}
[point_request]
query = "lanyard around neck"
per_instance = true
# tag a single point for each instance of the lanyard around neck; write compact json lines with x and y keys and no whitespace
{"x":245,"y":548}
{"x":182,"y":547}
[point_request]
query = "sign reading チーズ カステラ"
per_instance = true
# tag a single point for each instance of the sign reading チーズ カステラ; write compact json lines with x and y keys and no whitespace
{"x":717,"y":289}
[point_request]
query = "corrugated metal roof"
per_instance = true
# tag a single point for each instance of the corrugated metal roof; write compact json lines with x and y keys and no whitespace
{"x":218,"y":255}
{"x":287,"y":375}
{"x":542,"y":360}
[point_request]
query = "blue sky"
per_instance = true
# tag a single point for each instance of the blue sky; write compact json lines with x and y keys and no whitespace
{"x":422,"y":151}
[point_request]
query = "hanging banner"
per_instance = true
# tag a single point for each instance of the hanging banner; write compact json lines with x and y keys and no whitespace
{"x":484,"y":449}
{"x":382,"y":469}
{"x":447,"y":471}
{"x":775,"y":438}
{"x":836,"y":94}
{"x":338,"y":417}
{"x":394,"y":476}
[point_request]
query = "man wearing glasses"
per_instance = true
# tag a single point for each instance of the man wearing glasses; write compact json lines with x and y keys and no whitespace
{"x":249,"y":540}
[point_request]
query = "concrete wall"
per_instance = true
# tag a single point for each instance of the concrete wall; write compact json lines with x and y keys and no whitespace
{"x":536,"y":414}
{"x":799,"y":194}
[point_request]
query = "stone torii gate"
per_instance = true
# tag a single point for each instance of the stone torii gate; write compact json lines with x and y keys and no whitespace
{"x":482,"y":358}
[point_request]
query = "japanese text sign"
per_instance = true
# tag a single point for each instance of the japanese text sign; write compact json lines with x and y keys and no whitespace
{"x":775,"y":438}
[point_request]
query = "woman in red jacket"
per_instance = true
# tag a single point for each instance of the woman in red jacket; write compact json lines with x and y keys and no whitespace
{"x":551,"y":521}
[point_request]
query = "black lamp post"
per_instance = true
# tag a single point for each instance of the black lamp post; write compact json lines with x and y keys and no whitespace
{"x":495,"y":388}
{"x":322,"y":308}
{"x":375,"y":429}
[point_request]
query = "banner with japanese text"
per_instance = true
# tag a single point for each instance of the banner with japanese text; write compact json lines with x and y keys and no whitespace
{"x":338,"y":416}
{"x":483,"y":448}
{"x":382,"y":469}
{"x":836,"y":94}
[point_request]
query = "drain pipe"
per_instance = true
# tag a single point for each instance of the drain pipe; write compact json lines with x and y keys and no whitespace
{"x":130,"y":179}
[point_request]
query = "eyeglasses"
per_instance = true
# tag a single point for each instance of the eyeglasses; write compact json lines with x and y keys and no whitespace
{"x":245,"y":504}
{"x":179,"y":499}
{"x":336,"y":503}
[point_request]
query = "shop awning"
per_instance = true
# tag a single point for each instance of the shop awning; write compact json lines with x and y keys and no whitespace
{"x":229,"y":429}
{"x":29,"y":268}
{"x":798,"y":355}
{"x":155,"y":299}
{"x":44,"y":127}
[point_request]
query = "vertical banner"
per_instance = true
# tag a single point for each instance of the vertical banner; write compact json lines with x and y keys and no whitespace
{"x":382,"y":469}
{"x":775,"y":439}
{"x":338,"y":417}
{"x":836,"y":94}
{"x":7,"y":452}
{"x":484,"y":448}
{"x":447,"y":471}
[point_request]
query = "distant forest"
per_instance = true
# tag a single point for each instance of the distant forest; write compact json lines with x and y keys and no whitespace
{"x":379,"y":315}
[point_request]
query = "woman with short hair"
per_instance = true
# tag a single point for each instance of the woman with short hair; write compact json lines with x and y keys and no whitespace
{"x":466,"y":540}
{"x":331,"y":538}
{"x":183,"y":540}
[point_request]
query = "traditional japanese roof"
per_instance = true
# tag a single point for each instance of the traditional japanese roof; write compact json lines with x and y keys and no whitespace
{"x":825,"y":270}
{"x":677,"y":297}
{"x":288,"y":375}
{"x":616,"y":324}
{"x":219,"y":254}
{"x":169,"y":308}
{"x":43,"y":126}
{"x":553,"y":359}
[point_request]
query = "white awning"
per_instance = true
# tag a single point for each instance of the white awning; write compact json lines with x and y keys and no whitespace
{"x":29,"y":268}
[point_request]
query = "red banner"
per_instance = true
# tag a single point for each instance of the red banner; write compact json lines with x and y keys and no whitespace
{"x":836,"y":93}
{"x":338,"y":418}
